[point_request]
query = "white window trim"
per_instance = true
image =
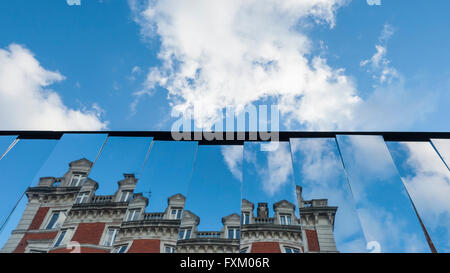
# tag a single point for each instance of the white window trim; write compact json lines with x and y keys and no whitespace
{"x":185,"y":231}
{"x":128,"y":193}
{"x":81,"y":177}
{"x":59,"y":221}
{"x":118,"y":247}
{"x":285,"y":216}
{"x":84,"y":197}
{"x":177,"y":215}
{"x":243,"y":218}
{"x":134,"y":212}
{"x":169,"y":246}
{"x":66,"y":239}
{"x":235,"y":231}
{"x":292,"y":248}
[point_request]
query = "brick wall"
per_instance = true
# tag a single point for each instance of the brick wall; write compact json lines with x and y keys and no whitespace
{"x":145,"y":246}
{"x":89,"y":233}
{"x":265,"y":247}
{"x":34,"y":236}
{"x":38,"y":218}
{"x":313,"y":241}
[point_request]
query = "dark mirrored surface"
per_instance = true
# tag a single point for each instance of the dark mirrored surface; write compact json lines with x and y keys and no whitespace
{"x":270,"y":218}
{"x":211,"y":220}
{"x":386,"y":213}
{"x":427,"y":180}
{"x":319,"y":172}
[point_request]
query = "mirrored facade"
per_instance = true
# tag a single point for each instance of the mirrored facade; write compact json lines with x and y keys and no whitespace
{"x":316,"y":193}
{"x":427,"y":180}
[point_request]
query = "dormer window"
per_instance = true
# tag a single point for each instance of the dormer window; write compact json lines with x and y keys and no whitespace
{"x":286,"y":219}
{"x":77,"y":180}
{"x":184,"y":234}
{"x":126,"y":196}
{"x":56,"y":220}
{"x":175,"y":213}
{"x":82,"y":197}
{"x":233,"y":233}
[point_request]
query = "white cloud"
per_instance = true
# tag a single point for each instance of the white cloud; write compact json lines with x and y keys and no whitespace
{"x":26,"y":102}
{"x":233,"y":156}
{"x":278,"y":170}
{"x":73,"y":2}
{"x":233,"y":53}
{"x":428,"y":184}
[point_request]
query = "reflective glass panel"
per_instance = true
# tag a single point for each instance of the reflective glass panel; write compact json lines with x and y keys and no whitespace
{"x":443,"y":148}
{"x":427,"y":180}
{"x":213,"y":201}
{"x":318,"y":170}
{"x":386,"y":213}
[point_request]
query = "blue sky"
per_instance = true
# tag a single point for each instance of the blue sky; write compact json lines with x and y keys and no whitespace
{"x":104,"y":52}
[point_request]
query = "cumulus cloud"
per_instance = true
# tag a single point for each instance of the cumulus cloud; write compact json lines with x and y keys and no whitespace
{"x":234,"y":53}
{"x":73,"y":2}
{"x":26,"y":102}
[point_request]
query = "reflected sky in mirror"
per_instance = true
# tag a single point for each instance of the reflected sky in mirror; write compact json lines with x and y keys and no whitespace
{"x":5,"y":143}
{"x":318,"y":170}
{"x":18,"y":168}
{"x":268,"y":175}
{"x":214,"y":191}
{"x":428,"y":182}
{"x":70,"y":147}
{"x":384,"y":208}
{"x":119,"y":156}
{"x":167,"y":172}
{"x":443,"y":148}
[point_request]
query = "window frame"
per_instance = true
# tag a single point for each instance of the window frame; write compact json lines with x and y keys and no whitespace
{"x":82,"y":199}
{"x":58,"y":222}
{"x":129,"y":194}
{"x":186,"y":232}
{"x":245,"y":220}
{"x":133,"y":212}
{"x":81,"y":178}
{"x":285,"y":219}
{"x":236,"y":232}
{"x":112,"y":238}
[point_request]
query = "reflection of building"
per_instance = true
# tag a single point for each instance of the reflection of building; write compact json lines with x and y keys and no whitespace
{"x":64,"y":215}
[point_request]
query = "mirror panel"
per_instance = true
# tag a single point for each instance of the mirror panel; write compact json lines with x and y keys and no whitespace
{"x":18,"y":168}
{"x":427,"y":180}
{"x":385,"y":211}
{"x":270,"y":218}
{"x":211,"y":220}
{"x":318,"y":170}
{"x":164,"y":182}
{"x":58,"y":171}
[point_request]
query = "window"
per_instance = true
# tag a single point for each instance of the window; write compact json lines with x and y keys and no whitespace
{"x":175,"y":214}
{"x":233,"y":233}
{"x":56,"y":220}
{"x":185,"y":233}
{"x":291,"y":250}
{"x":286,"y":219}
{"x":63,"y":237}
{"x":120,"y":249}
{"x":169,"y":249}
{"x":77,"y":180}
{"x":126,"y":196}
{"x":245,"y":220}
{"x":82,"y":197}
{"x":57,"y":184}
{"x":111,"y":236}
{"x":133,"y":215}
{"x":244,"y":250}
